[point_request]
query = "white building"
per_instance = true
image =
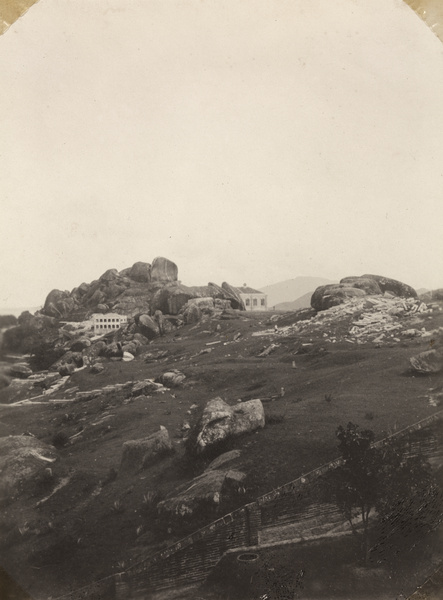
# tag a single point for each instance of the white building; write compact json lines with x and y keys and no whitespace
{"x":253,"y":299}
{"x":104,"y":323}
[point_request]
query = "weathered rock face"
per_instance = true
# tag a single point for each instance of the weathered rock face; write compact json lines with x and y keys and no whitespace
{"x":22,"y":459}
{"x":139,"y":454}
{"x":397,"y":288}
{"x":210,"y":487}
{"x":234,"y":296}
{"x":109,"y":275}
{"x":427,"y":363}
{"x":327,"y":296}
{"x":140,"y":271}
{"x":192,"y":314}
{"x":330,"y":295}
{"x":55,"y":303}
{"x":170,"y":299}
{"x":227,"y":458}
{"x":147,"y":327}
{"x":163,"y":270}
{"x":220,"y":421}
{"x":369,"y":286}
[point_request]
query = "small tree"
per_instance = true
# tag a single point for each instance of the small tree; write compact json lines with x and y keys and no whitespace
{"x":372,"y":478}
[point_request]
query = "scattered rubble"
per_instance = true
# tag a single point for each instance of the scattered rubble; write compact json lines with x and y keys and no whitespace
{"x":375,"y":319}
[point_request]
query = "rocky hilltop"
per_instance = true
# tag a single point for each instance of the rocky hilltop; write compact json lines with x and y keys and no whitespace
{"x":115,"y":447}
{"x":142,"y":288}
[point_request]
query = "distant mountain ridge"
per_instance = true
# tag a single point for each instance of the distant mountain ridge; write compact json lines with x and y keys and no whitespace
{"x":292,"y":289}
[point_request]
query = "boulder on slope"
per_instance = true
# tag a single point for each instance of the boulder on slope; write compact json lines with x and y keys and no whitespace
{"x":22,"y":459}
{"x":163,"y":270}
{"x":220,"y":421}
{"x":330,"y":295}
{"x":139,"y":454}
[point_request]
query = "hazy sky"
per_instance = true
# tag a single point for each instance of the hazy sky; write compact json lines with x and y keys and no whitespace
{"x":246,"y":140}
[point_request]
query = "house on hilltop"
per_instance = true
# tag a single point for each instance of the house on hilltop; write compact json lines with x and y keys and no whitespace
{"x":253,"y":299}
{"x":104,"y":323}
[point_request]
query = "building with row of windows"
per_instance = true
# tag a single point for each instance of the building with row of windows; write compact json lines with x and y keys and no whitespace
{"x":253,"y":299}
{"x":103,"y":323}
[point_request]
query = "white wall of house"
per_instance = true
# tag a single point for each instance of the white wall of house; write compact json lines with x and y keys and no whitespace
{"x":108,"y":322}
{"x":255,"y":301}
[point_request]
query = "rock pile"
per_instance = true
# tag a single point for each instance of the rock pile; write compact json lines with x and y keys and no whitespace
{"x":334,"y":294}
{"x":378,"y":319}
{"x":139,"y":290}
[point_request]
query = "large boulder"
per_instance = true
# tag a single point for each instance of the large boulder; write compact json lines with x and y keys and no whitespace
{"x":109,"y":275}
{"x":330,"y":295}
{"x":140,"y":271}
{"x":163,"y":270}
{"x":139,"y":454}
{"x":220,"y":421}
{"x":397,"y":288}
{"x":234,"y":296}
{"x":192,"y":314}
{"x":59,"y":304}
{"x":22,"y":459}
{"x":80,"y":344}
{"x":369,"y":286}
{"x":224,"y":459}
{"x":147,"y":327}
{"x":427,"y":363}
{"x":209,"y":488}
{"x":171,"y":298}
{"x":326,"y":296}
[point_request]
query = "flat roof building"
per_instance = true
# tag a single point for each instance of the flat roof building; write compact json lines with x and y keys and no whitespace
{"x":104,"y":323}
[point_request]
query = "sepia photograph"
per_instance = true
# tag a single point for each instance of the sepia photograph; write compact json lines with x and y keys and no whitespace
{"x":221,"y":300}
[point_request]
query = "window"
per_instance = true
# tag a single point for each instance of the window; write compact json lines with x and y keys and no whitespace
{"x":254,"y":302}
{"x":248,"y":302}
{"x":262,"y":301}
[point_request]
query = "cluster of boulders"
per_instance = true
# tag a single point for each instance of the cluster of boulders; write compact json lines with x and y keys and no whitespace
{"x":348,"y":288}
{"x":141,"y":289}
{"x":149,"y":294}
{"x":222,"y":479}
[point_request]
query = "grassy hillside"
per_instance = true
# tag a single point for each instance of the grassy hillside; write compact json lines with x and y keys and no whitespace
{"x":89,"y":519}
